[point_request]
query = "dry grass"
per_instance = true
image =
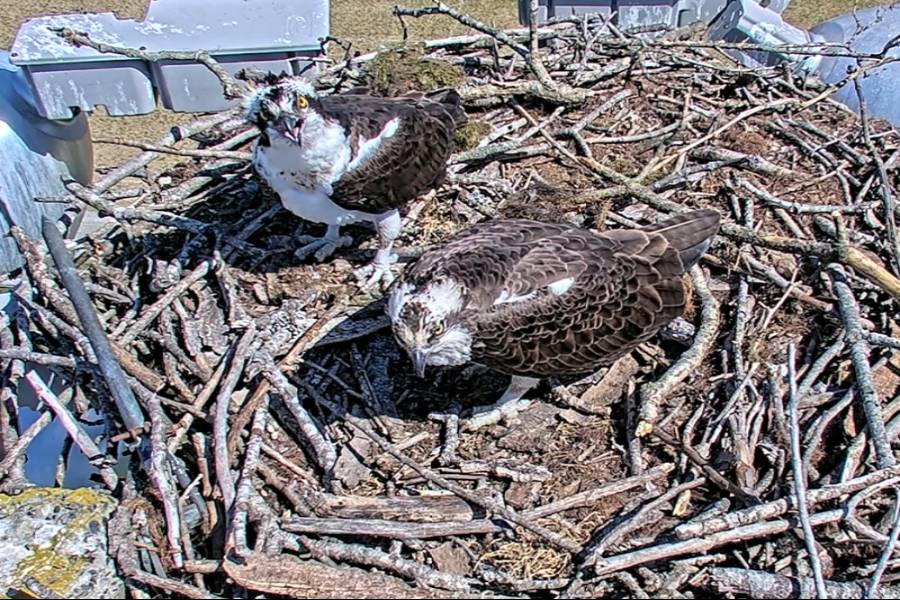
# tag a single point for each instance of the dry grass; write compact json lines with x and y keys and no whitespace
{"x":367,"y":24}
{"x":807,"y":13}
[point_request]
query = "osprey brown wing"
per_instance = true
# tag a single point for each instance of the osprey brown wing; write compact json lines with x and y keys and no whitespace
{"x":481,"y":257}
{"x":625,"y":286}
{"x":409,"y":163}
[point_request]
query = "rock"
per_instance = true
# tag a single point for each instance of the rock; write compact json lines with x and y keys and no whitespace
{"x":450,"y":558}
{"x":53,"y":544}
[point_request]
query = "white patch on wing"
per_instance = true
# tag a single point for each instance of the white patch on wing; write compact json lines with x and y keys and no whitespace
{"x":557,"y":288}
{"x":507,"y":298}
{"x":560,"y":287}
{"x":368,"y":147}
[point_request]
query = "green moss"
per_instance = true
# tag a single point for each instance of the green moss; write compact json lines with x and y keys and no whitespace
{"x":468,"y":136}
{"x":405,"y":69}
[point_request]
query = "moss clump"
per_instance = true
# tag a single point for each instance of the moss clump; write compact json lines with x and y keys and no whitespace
{"x":404,"y":69}
{"x":468,"y":136}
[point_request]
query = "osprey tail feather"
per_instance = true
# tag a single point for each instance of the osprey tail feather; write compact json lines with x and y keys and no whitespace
{"x":689,"y":233}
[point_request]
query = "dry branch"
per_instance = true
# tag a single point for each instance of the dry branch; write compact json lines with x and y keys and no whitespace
{"x":585,"y":124}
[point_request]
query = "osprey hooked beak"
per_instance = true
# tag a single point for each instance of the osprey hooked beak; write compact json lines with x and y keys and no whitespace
{"x":419,"y":360}
{"x":292,"y":129}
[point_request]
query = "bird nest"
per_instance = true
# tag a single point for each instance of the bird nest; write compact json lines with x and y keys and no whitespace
{"x":285,"y":448}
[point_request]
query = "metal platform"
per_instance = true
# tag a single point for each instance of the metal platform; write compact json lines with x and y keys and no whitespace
{"x":276,"y":35}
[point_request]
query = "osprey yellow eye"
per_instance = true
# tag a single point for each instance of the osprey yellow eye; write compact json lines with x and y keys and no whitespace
{"x":302,"y":102}
{"x":438,"y":329}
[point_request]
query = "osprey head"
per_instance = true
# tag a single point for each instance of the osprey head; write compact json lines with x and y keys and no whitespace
{"x":281,"y":107}
{"x":428,"y":323}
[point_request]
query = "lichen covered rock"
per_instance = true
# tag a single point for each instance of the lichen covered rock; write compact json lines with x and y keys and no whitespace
{"x":53,"y":544}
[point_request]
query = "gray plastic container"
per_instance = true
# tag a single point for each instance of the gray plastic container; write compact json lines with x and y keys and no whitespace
{"x":274,"y":35}
{"x":637,"y":13}
{"x":867,"y":31}
{"x":37,"y":155}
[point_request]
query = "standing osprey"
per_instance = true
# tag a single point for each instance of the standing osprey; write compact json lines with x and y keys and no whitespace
{"x":532,"y":299}
{"x":339,"y":159}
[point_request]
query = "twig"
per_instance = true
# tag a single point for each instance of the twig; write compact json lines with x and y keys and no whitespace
{"x":779,"y":507}
{"x":238,"y":529}
{"x":859,"y":353}
{"x":872,"y":589}
{"x":760,"y":584}
{"x":884,"y":182}
{"x":129,"y":411}
{"x":221,"y":454}
{"x":376,"y":558}
{"x":702,"y":545}
{"x":363,"y":426}
{"x":154,"y":310}
{"x":322,"y":449}
{"x":160,"y":474}
{"x":799,"y":477}
{"x":654,"y":393}
{"x":230,"y":87}
{"x":18,"y":449}
{"x":174,"y":151}
{"x":84,"y":442}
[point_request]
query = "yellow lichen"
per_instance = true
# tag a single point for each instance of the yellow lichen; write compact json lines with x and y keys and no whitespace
{"x":51,"y":570}
{"x":47,"y":565}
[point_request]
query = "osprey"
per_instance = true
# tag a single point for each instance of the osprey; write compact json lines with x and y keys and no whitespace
{"x":532,"y":299}
{"x":338,"y":159}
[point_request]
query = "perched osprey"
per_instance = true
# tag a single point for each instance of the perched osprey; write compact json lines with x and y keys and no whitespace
{"x":532,"y":299}
{"x":338,"y":159}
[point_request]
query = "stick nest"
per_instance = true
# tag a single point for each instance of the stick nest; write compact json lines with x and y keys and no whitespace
{"x":294,"y":453}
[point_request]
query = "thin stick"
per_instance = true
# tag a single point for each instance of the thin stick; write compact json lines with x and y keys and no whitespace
{"x":129,"y":410}
{"x":220,"y":419}
{"x":175,"y":151}
{"x":18,"y":449}
{"x":704,"y":544}
{"x":884,"y":182}
{"x":84,"y":442}
{"x":654,"y":393}
{"x":859,"y":354}
{"x":230,"y":87}
{"x":489,"y":505}
{"x":872,"y":589}
{"x":160,"y":475}
{"x":157,"y":307}
{"x":799,"y":478}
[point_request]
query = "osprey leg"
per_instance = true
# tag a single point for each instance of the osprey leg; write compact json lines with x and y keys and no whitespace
{"x":324,"y":246}
{"x":388,"y":225}
{"x":506,"y":408}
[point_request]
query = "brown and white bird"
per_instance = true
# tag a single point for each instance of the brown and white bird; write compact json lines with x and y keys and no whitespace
{"x":339,"y":159}
{"x":532,"y":299}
